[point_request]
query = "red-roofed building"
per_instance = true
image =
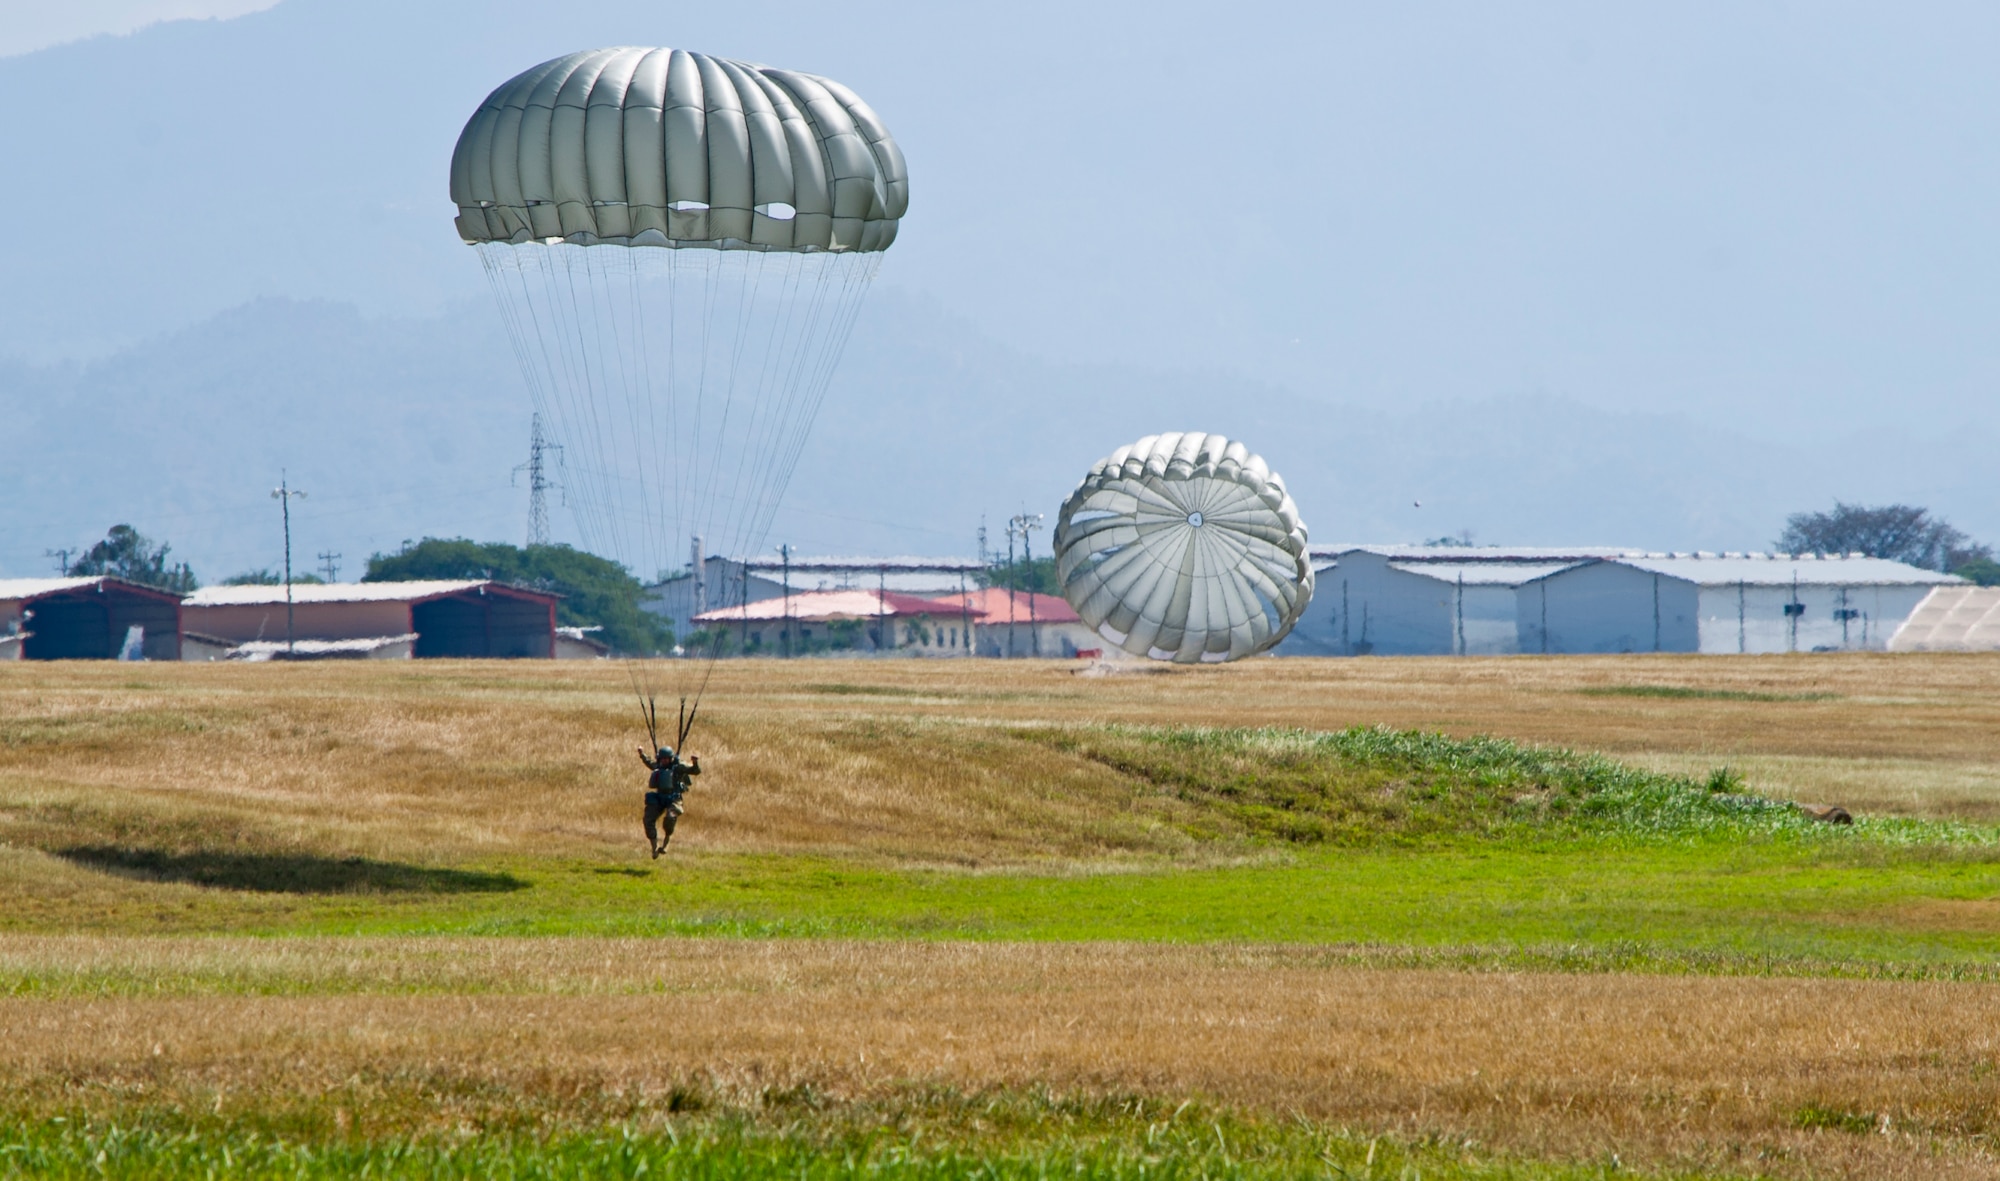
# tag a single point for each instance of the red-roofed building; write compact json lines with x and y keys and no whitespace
{"x":846,"y":621}
{"x":1018,"y":623}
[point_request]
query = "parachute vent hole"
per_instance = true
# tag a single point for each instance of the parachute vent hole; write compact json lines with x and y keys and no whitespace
{"x":688,"y":206}
{"x":778,"y":211}
{"x":1194,"y":519}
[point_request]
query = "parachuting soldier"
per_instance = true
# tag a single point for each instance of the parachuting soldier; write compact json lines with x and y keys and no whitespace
{"x":666,"y":785}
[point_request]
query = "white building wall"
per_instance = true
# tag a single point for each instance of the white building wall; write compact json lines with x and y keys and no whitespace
{"x":1741,"y":617}
{"x":1488,"y":623}
{"x":1606,"y":607}
{"x":1370,"y":608}
{"x":724,"y":584}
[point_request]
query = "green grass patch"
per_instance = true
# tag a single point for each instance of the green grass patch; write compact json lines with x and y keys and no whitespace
{"x":1393,"y":847}
{"x":793,"y":1134}
{"x":1370,"y":786}
{"x":1689,"y":693}
{"x":1834,"y":1119}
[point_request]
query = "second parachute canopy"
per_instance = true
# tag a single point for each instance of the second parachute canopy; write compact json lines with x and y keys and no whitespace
{"x":1184,"y":547}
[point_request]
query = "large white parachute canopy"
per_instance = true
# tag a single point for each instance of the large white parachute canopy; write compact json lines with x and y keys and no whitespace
{"x":1184,"y":547}
{"x":679,"y":245}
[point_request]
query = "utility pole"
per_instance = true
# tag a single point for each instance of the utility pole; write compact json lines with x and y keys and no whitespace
{"x":329,"y":565}
{"x":1793,"y":610}
{"x":699,"y":569}
{"x":785,"y":552}
{"x":538,"y":481}
{"x":1458,"y":614}
{"x":62,"y":558}
{"x":1013,"y":576}
{"x":965,"y":612}
{"x":284,"y":494}
{"x":1028,"y":523}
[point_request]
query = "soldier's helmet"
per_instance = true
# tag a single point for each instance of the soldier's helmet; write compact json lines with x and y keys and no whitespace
{"x":665,"y":755}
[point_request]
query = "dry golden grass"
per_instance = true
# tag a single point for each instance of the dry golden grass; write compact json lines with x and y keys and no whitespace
{"x":466,"y":759}
{"x":1664,"y":1070}
{"x":462,"y":762}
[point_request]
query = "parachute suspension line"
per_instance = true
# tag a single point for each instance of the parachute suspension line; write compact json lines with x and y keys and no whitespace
{"x":820,"y":341}
{"x":765,"y":428}
{"x":794,"y":349}
{"x":701,"y":446}
{"x":551,"y":384}
{"x":637,"y":303}
{"x":746,"y":286}
{"x":516,"y":337}
{"x":760,"y":414}
{"x":746,"y":330}
{"x":570,"y":380}
{"x":593,"y":380}
{"x":627,"y":331}
{"x":679,"y":375}
{"x":603,"y":307}
{"x":832,"y":344}
{"x":637,"y":295}
{"x":793,"y":337}
{"x":649,"y":710}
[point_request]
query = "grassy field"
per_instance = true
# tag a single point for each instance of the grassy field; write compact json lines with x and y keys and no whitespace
{"x":931,"y":918}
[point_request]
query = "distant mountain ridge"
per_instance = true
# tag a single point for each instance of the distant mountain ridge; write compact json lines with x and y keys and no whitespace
{"x":402,"y":427}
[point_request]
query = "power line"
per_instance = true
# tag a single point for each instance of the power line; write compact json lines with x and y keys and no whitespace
{"x":329,"y":565}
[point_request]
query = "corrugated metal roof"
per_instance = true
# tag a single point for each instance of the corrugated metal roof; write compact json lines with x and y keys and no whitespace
{"x":814,"y":606}
{"x":865,"y":565}
{"x":1784,"y":569}
{"x":335,"y":592}
{"x":17,"y":589}
{"x":1952,"y":619}
{"x":993,"y":603}
{"x":1484,"y":573}
{"x":1464,"y":554}
{"x":32,"y":588}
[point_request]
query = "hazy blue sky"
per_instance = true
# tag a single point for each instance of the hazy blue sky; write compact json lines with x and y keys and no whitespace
{"x":1784,"y":213}
{"x":1777,"y":221}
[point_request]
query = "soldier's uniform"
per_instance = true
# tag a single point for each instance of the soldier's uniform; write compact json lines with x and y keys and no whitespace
{"x":666,"y":786}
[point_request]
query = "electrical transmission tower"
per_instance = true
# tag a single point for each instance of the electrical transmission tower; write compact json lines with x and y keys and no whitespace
{"x":329,"y":565}
{"x":539,"y":483}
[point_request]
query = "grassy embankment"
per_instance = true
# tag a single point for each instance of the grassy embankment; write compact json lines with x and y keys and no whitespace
{"x":1019,"y":804}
